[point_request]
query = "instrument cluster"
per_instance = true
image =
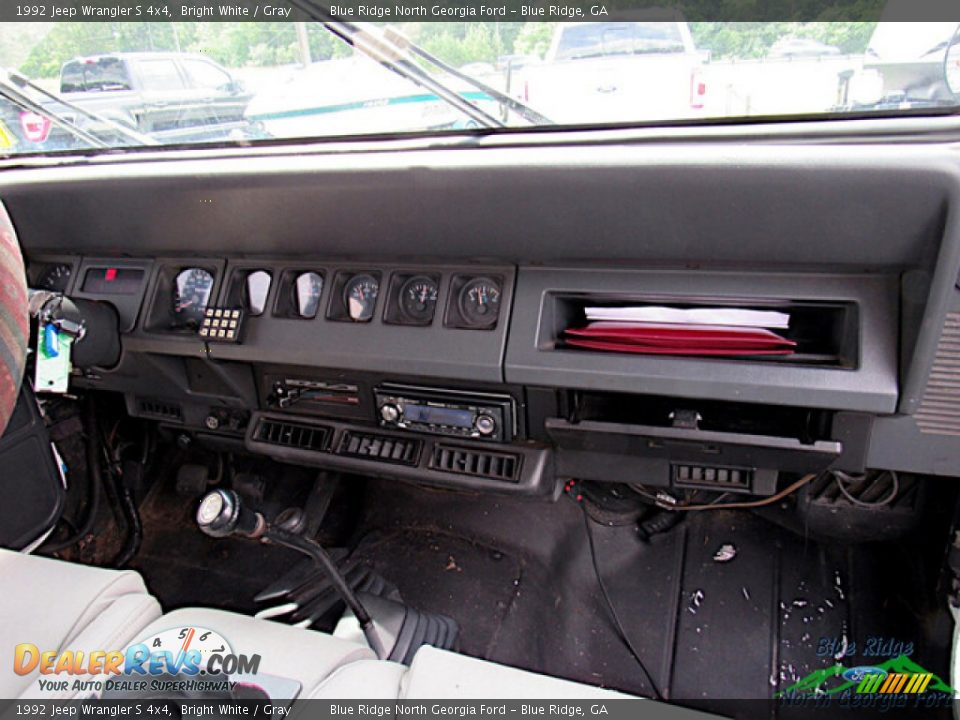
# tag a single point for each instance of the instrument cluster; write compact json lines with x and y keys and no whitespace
{"x":356,"y":295}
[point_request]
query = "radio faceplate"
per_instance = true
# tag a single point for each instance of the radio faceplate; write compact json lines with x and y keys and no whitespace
{"x":482,"y":416}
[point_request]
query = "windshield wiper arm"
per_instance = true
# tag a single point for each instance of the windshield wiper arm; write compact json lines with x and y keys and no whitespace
{"x":14,"y":95}
{"x":394,"y":56}
{"x":23,"y":82}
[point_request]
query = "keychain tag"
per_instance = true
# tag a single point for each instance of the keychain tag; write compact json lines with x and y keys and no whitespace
{"x":53,"y":360}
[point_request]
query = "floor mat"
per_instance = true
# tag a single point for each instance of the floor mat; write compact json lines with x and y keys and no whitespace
{"x":449,"y":575}
{"x":725,"y":605}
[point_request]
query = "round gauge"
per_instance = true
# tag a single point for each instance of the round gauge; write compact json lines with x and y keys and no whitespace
{"x":479,"y":302}
{"x":309,"y":285}
{"x":360,"y":297}
{"x":55,"y":277}
{"x":180,"y":641}
{"x":258,"y":288}
{"x":418,"y":299}
{"x":191,"y":294}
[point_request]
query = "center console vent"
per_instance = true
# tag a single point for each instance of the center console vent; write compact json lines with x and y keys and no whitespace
{"x":299,"y":436}
{"x":384,"y":448}
{"x":478,"y":463}
{"x":160,"y":409}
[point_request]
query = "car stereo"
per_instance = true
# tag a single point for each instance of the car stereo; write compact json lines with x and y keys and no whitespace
{"x":483,"y":416}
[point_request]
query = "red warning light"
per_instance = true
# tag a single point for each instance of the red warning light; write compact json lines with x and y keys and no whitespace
{"x":110,"y":275}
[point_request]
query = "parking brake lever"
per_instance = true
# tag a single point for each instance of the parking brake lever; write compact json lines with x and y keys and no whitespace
{"x":221,"y":513}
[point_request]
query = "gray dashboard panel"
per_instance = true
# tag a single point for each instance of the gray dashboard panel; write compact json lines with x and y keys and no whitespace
{"x":843,"y":217}
{"x":707,"y":204}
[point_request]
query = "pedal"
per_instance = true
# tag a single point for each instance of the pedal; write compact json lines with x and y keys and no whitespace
{"x":192,"y":480}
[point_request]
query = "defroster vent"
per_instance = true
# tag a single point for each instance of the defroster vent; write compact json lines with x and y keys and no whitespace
{"x":939,"y":411}
{"x":299,"y":436}
{"x":479,"y":463}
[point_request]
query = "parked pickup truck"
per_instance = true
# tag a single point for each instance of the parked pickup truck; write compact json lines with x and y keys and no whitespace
{"x":155,"y":92}
{"x":902,"y":68}
{"x":617,"y":71}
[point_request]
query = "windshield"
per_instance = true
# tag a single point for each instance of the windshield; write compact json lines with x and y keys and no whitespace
{"x":596,"y":39}
{"x":120,"y":83}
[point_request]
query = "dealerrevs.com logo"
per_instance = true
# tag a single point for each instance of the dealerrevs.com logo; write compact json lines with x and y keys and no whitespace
{"x":181,"y":652}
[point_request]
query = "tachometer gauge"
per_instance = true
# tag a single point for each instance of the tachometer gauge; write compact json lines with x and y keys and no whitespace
{"x":55,"y":278}
{"x":360,"y":297}
{"x":309,"y":285}
{"x":418,"y":299}
{"x":479,"y":302}
{"x":191,"y":294}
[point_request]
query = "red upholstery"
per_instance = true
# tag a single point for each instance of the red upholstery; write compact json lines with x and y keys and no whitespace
{"x":14,"y":324}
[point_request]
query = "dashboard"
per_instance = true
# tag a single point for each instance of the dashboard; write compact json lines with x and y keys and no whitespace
{"x":405,"y":312}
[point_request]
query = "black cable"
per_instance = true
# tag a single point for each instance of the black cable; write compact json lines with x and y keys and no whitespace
{"x":94,"y":480}
{"x":613,"y":610}
{"x":841,"y":479}
{"x":134,"y":525}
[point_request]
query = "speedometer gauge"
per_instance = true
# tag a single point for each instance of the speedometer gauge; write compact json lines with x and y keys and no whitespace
{"x":360,"y":297}
{"x":191,"y":295}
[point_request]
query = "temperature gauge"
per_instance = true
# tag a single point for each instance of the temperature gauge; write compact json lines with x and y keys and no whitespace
{"x":479,"y":302}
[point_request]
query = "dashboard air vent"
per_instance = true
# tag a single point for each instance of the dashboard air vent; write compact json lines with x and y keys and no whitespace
{"x":371,"y":446}
{"x":716,"y":478}
{"x":939,"y":411}
{"x":161,"y":409}
{"x":291,"y":434}
{"x":479,"y":463}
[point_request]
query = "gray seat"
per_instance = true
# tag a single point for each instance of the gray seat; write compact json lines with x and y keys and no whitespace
{"x":441,"y":674}
{"x":57,"y":605}
{"x":305,"y":656}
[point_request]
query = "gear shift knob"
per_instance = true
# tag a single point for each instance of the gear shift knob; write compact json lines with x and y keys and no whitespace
{"x":221,"y":513}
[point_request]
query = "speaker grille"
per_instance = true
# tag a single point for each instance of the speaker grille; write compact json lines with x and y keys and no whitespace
{"x":939,"y":411}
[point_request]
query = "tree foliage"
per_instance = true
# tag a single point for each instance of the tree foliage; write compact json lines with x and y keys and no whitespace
{"x":264,"y":44}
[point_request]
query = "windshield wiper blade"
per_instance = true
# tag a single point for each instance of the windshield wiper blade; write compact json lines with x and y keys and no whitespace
{"x":524,"y":111}
{"x":24,"y":82}
{"x":394,"y":56}
{"x":383,"y":52}
{"x":14,"y":95}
